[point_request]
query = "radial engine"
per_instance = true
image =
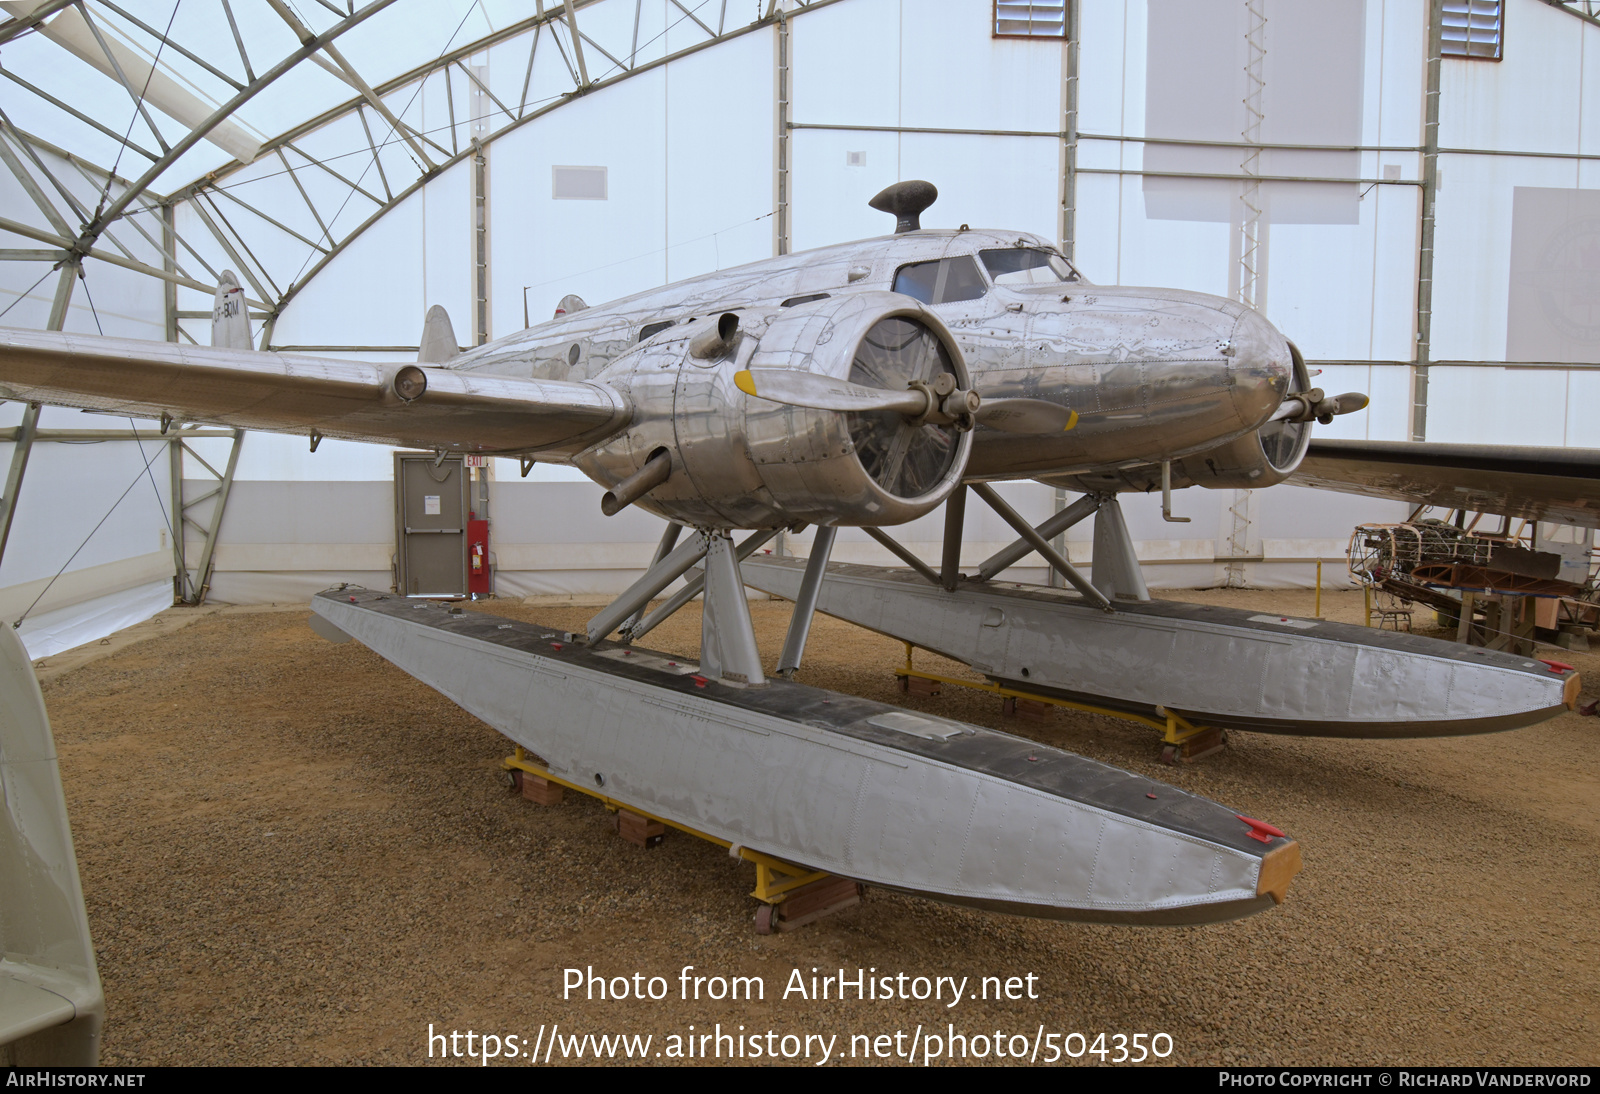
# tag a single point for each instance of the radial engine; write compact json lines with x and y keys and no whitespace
{"x":705,"y":449}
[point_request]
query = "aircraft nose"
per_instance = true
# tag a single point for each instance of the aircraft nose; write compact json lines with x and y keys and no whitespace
{"x":1262,"y":366}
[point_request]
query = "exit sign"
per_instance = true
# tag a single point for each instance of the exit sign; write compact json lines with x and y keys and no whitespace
{"x":477,"y":461}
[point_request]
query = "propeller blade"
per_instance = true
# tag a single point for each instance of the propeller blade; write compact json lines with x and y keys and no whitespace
{"x":1026,"y":416}
{"x":808,"y":389}
{"x":1314,"y":404}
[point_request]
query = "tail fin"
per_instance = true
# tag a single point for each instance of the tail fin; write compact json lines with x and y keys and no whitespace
{"x":230,"y":319}
{"x":438,"y":338}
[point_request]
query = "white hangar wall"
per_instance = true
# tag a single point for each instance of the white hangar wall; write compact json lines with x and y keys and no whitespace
{"x":690,"y":152}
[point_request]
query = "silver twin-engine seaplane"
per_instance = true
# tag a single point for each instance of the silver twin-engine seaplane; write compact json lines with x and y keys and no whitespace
{"x":866,"y":384}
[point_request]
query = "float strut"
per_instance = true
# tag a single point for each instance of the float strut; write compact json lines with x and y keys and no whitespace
{"x":805,"y":605}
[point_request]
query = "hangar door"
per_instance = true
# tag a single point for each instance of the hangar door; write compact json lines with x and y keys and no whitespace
{"x":430,"y":506}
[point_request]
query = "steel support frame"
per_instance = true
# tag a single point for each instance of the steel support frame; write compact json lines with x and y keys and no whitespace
{"x":191,"y":588}
{"x":781,"y":146}
{"x":134,"y":196}
{"x":429,"y":167}
{"x":1425,"y":236}
{"x":805,"y":606}
{"x":1114,"y":566}
{"x":633,"y":631}
{"x":480,"y":243}
{"x":649,"y":584}
{"x":27,"y":433}
{"x":955,"y":519}
{"x":728,"y":650}
{"x":1250,"y":256}
{"x":1066,"y":569}
{"x":669,"y":540}
{"x":1055,"y":526}
{"x":1068,"y":229}
{"x":904,"y":555}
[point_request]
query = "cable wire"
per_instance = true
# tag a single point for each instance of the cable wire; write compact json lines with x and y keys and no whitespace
{"x":167,"y":520}
{"x":122,"y":145}
{"x":82,"y":545}
{"x":26,"y":291}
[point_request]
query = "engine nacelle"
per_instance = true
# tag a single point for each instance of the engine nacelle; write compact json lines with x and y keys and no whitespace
{"x":740,"y":461}
{"x":1262,"y":457}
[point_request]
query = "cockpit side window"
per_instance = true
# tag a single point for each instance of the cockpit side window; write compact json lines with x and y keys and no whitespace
{"x":650,"y":330}
{"x":946,"y":281}
{"x":1027,"y":266}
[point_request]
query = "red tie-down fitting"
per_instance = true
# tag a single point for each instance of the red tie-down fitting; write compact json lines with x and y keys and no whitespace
{"x":1261,"y":830}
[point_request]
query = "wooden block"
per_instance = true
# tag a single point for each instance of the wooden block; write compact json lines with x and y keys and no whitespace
{"x":1278,"y":868}
{"x":541,"y":790}
{"x":810,"y":903}
{"x":917,"y":685}
{"x":819,"y":894}
{"x":1031,"y":709}
{"x":1198,"y":747}
{"x":1545,"y":612}
{"x":640,"y":831}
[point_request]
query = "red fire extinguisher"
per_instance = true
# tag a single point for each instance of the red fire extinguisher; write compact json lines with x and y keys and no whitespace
{"x":478,"y":583}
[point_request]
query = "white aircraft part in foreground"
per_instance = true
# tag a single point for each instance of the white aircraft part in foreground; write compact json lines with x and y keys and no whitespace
{"x":51,"y":1005}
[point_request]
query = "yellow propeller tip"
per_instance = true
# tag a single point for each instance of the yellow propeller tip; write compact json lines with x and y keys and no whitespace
{"x":1071,"y":421}
{"x":745,"y":382}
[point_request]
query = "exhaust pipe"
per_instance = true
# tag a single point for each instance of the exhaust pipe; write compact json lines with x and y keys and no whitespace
{"x":715,"y":341}
{"x":638,"y":484}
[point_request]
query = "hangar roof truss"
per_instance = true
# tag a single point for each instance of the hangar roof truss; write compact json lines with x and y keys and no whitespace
{"x":211,"y":115}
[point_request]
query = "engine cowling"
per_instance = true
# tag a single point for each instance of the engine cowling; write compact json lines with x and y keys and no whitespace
{"x":1263,"y":457}
{"x":740,"y":461}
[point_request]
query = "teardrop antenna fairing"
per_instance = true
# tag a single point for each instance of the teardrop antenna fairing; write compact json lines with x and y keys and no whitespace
{"x":906,"y":200}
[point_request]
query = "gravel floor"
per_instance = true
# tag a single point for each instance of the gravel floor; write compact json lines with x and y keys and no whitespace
{"x":294,"y":853}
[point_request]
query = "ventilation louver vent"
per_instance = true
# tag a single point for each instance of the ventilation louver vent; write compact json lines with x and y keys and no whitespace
{"x":1473,"y":28}
{"x":1030,"y":18}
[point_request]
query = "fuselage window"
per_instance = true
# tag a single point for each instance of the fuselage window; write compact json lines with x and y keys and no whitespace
{"x":650,"y":330}
{"x":946,"y":281}
{"x":1027,"y":266}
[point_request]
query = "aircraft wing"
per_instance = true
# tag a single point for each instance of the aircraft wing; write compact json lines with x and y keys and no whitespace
{"x":411,"y":406}
{"x":1554,"y":484}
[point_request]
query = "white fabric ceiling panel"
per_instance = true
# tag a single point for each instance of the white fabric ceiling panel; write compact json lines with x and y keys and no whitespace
{"x":846,"y":64}
{"x":78,"y":490}
{"x":1318,"y":287}
{"x":598,"y":249}
{"x":993,"y":182}
{"x":1472,"y":252}
{"x":720,"y":161}
{"x":375,"y":293}
{"x":829,"y":196}
{"x":1176,"y":253}
{"x":1508,"y":103}
{"x":1487,"y":405}
{"x":1011,"y":84}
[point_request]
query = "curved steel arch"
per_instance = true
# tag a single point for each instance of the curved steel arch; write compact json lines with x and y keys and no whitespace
{"x":565,"y":18}
{"x":66,"y":246}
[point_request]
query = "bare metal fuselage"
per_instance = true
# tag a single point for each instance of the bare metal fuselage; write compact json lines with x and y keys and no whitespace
{"x":1153,"y":374}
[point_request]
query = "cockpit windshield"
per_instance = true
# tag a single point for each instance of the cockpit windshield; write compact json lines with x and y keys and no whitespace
{"x":1020,"y":266}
